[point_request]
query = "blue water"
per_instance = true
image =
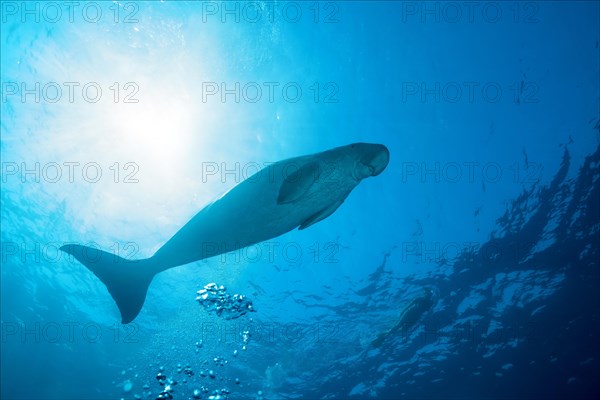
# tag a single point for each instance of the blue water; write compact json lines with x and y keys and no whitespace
{"x":491,"y":199}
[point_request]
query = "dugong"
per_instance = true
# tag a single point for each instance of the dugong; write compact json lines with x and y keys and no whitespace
{"x":297,"y":192}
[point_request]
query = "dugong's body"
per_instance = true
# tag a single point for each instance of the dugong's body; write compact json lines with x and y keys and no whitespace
{"x":297,"y":192}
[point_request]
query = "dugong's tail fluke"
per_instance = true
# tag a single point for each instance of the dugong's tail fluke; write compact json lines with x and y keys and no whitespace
{"x":127,"y":281}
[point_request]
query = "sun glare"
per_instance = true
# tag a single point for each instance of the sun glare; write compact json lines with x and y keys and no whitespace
{"x":148,"y":133}
{"x":153,"y":132}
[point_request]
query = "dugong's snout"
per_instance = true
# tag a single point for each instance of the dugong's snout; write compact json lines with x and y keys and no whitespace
{"x":374,"y":159}
{"x":371,"y":159}
{"x":380,"y":159}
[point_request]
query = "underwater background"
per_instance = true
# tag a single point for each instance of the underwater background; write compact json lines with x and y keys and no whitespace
{"x":467,"y":269}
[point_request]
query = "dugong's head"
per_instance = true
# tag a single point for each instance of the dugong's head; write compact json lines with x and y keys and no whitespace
{"x":370,"y":159}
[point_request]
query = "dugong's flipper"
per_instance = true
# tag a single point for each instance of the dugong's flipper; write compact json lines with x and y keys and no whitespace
{"x":127,"y":281}
{"x":298,"y":183}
